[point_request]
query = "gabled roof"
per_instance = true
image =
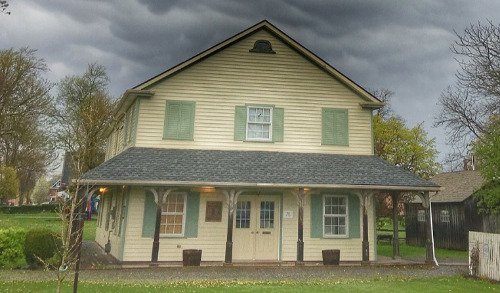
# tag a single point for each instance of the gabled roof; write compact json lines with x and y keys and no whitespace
{"x":371,"y":101}
{"x":183,"y":167}
{"x":457,"y":186}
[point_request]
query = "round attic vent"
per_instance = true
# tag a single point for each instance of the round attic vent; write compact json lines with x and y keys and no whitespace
{"x":262,"y":46}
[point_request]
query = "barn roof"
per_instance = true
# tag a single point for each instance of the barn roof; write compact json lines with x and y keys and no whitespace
{"x":457,"y":186}
{"x":156,"y":166}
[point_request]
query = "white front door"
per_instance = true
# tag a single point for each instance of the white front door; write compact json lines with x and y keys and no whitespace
{"x":256,"y":228}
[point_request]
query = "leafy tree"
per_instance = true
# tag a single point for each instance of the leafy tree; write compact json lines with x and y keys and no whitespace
{"x":40,"y":192}
{"x":487,"y":151}
{"x":24,"y":104}
{"x":9,"y":183}
{"x":467,"y":106}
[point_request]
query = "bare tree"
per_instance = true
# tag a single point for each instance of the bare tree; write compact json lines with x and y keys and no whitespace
{"x":83,"y":111}
{"x":3,"y":7}
{"x":467,"y":106}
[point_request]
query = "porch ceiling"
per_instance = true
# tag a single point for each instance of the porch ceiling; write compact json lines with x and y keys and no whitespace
{"x":155,"y":166}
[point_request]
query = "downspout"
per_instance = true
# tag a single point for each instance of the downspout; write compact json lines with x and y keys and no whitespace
{"x":432,"y":230}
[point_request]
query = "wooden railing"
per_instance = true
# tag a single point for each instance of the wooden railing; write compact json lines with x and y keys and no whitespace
{"x":484,"y":255}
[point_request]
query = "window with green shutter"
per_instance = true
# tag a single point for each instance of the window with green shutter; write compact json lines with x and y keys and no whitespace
{"x":258,"y":123}
{"x":335,"y":127}
{"x":335,"y":216}
{"x":179,"y":120}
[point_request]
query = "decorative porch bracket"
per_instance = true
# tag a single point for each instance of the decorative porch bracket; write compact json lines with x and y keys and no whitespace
{"x":301,"y":199}
{"x":395,"y":225}
{"x":429,"y":241}
{"x":232,"y":199}
{"x":160,"y":194}
{"x":363,"y":198}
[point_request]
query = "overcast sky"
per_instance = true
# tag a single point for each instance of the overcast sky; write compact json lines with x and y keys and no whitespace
{"x":399,"y":45}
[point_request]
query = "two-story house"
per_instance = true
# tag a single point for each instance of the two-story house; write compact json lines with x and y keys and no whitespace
{"x":253,"y":150}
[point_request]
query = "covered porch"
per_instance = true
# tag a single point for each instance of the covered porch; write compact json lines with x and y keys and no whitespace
{"x":259,"y":207}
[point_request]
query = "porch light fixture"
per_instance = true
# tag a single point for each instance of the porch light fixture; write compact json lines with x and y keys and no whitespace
{"x":103,"y":190}
{"x":306,"y":189}
{"x":206,"y":189}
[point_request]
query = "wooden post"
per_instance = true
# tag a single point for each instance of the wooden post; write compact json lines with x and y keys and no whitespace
{"x":232,"y":199}
{"x":300,"y":226}
{"x":366,"y":243}
{"x":160,"y":197}
{"x":395,"y":225}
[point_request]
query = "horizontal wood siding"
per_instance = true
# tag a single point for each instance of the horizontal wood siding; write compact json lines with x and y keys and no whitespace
{"x":211,"y":236}
{"x":350,"y":249}
{"x":235,"y":77}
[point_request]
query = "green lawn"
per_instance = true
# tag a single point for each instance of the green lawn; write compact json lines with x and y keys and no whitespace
{"x":43,"y":220}
{"x":405,"y":250}
{"x":444,"y":284}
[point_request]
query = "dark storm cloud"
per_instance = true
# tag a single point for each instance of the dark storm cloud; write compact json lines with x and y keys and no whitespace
{"x":400,"y":45}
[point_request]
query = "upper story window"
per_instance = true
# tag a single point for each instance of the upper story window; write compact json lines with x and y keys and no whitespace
{"x":179,"y":120}
{"x":335,"y":218}
{"x":259,"y":123}
{"x":256,"y":123}
{"x":335,"y":127}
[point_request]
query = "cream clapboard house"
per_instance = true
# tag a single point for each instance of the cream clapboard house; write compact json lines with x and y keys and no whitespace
{"x":253,"y":150}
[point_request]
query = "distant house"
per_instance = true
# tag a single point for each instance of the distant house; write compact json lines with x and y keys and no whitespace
{"x":454,"y":212}
{"x":253,"y":150}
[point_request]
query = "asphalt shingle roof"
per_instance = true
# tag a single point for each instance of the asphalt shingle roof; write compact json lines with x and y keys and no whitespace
{"x":457,"y":186}
{"x":250,"y":167}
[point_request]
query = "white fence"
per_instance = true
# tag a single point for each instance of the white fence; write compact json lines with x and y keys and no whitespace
{"x":488,"y":254}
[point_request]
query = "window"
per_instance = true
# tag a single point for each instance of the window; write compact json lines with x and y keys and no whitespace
{"x":259,"y":123}
{"x":243,"y":214}
{"x":173,"y":213}
{"x":335,"y":216}
{"x":267,"y":214}
{"x":179,"y":120}
{"x":421,"y":215}
{"x":335,"y":127}
{"x":445,"y":216}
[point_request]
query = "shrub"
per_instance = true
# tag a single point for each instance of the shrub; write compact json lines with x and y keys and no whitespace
{"x":11,"y":248}
{"x":41,"y":247}
{"x":29,"y":209}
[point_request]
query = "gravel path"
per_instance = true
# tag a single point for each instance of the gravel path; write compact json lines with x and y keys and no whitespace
{"x":174,"y":274}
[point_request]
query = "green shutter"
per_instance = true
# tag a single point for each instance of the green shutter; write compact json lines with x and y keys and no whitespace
{"x":192,"y":215}
{"x":179,"y":120}
{"x":278,"y":124}
{"x":148,"y":224}
{"x":316,"y":216}
{"x":240,"y":123}
{"x":335,"y":127}
{"x":353,"y":216}
{"x":125,"y":128}
{"x":135,"y":120}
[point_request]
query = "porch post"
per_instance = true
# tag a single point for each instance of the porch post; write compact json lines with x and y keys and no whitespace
{"x":300,"y":226}
{"x":366,"y":243}
{"x":232,"y":199}
{"x":160,"y":196}
{"x":395,"y":225}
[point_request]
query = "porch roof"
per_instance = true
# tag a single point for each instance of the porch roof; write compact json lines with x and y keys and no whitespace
{"x":183,"y":167}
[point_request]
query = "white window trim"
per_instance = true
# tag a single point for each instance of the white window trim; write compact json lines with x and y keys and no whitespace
{"x":270,"y":123}
{"x":420,"y":213}
{"x":346,"y":235}
{"x":163,"y":235}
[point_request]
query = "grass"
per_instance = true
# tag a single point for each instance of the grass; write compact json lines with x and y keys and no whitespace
{"x":43,"y":220}
{"x":405,"y":250}
{"x":443,"y":284}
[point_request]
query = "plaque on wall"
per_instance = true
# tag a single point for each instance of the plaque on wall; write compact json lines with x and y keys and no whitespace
{"x":214,"y":211}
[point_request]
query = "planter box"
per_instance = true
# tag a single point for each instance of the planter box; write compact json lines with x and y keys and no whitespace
{"x":331,"y":257}
{"x":191,"y":257}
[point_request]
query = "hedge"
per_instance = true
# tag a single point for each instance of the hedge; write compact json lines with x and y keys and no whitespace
{"x":24,"y":209}
{"x":12,"y":248}
{"x":41,"y":248}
